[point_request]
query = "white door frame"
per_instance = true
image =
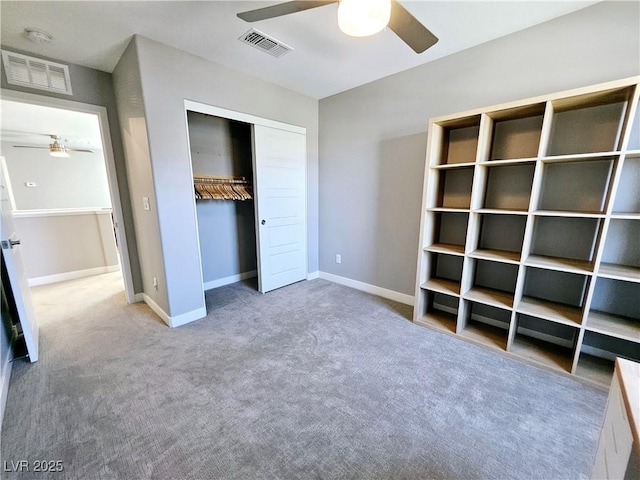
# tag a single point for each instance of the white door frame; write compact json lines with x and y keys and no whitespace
{"x":114,"y":190}
{"x":193,"y":106}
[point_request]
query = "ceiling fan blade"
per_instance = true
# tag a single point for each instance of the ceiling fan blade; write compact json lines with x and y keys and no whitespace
{"x":281,"y":9}
{"x":410,"y":30}
{"x":82,"y":150}
{"x":29,"y":146}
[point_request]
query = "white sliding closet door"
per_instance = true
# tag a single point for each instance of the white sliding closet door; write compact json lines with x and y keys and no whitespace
{"x":280,"y":159}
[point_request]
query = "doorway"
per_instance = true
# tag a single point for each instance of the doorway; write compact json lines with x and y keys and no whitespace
{"x":63,"y":190}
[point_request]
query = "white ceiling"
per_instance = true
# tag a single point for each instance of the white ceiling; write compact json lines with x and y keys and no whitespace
{"x":26,"y":124}
{"x":324,"y":61}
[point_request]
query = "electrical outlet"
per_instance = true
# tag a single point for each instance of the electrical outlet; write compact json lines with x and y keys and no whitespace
{"x":338,"y":258}
{"x":155,"y":283}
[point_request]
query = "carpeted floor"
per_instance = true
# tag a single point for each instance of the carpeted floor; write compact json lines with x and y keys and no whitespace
{"x":314,"y":380}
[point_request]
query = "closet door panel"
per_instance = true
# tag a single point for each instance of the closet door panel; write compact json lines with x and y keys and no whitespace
{"x":280,"y":196}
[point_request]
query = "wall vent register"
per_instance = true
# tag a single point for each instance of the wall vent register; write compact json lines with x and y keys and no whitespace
{"x":265,"y":43}
{"x":32,"y":72}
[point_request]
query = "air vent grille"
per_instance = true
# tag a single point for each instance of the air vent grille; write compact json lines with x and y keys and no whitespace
{"x":263,"y":42}
{"x":36,"y":73}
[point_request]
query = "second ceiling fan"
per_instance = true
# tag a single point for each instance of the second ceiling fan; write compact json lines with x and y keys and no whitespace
{"x":359,"y":18}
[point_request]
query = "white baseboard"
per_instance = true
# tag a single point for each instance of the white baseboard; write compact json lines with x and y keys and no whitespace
{"x":313,"y":275}
{"x":365,"y":287}
{"x":138,"y":297}
{"x":178,"y":320}
{"x":221,"y":282}
{"x":61,"y":277}
{"x":4,"y":388}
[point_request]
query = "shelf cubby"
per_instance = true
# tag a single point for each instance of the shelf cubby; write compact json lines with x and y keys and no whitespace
{"x":440,"y":312}
{"x":500,"y":237}
{"x":615,"y":309}
{"x":621,"y":255}
{"x":516,"y":132}
{"x":449,"y":232}
{"x":508,"y":187}
{"x":493,"y":283}
{"x":598,"y":353}
{"x":459,"y":141}
{"x":454,"y":189}
{"x":575,"y":186}
{"x":553,"y":295}
{"x":546,"y":343}
{"x":486,"y":325}
{"x":627,"y":197}
{"x":589,"y":123}
{"x":566,"y":244}
{"x":445,"y":275}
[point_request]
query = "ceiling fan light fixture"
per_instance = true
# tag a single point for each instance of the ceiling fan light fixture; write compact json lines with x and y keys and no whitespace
{"x":57,"y":150}
{"x":361,"y":18}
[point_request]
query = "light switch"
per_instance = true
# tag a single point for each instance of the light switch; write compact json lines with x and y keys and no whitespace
{"x":145,"y":203}
{"x":29,"y":184}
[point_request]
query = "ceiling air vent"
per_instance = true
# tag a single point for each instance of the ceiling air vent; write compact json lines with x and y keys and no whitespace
{"x":36,"y":73}
{"x":263,"y":42}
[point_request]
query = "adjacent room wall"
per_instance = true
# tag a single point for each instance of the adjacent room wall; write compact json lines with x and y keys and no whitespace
{"x":373,"y":138}
{"x":59,"y":245}
{"x":96,"y":88}
{"x":168,"y":77}
{"x":79,"y":181}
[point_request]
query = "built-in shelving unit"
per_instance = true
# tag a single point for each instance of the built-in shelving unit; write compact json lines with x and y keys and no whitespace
{"x":530,"y":234}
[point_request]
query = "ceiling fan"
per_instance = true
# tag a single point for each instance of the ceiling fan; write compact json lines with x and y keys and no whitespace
{"x":359,"y":18}
{"x":57,"y":148}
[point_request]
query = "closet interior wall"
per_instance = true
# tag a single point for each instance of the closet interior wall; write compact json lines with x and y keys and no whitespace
{"x":226,"y":228}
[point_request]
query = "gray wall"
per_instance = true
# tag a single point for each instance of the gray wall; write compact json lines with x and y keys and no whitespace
{"x":96,"y":88}
{"x":168,"y":76}
{"x":79,"y":181}
{"x":373,"y":138}
{"x":226,"y":227}
{"x":132,"y":117}
{"x":74,"y":242}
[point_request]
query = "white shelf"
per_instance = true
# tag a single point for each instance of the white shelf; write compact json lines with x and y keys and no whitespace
{"x":496,"y":255}
{"x":559,"y":264}
{"x":448,"y":166}
{"x":448,"y":209}
{"x":625,"y":216}
{"x":447,"y":248}
{"x":489,"y":296}
{"x":486,"y":335}
{"x":442,"y":285}
{"x":556,"y":312}
{"x":619,"y":272}
{"x":438,"y":320}
{"x":512,"y":161}
{"x":501,"y":211}
{"x":614,"y":325}
{"x":568,"y":214}
{"x":542,"y":353}
{"x":577,"y":157}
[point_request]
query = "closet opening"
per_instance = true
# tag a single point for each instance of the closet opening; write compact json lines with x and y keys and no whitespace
{"x":222,"y":165}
